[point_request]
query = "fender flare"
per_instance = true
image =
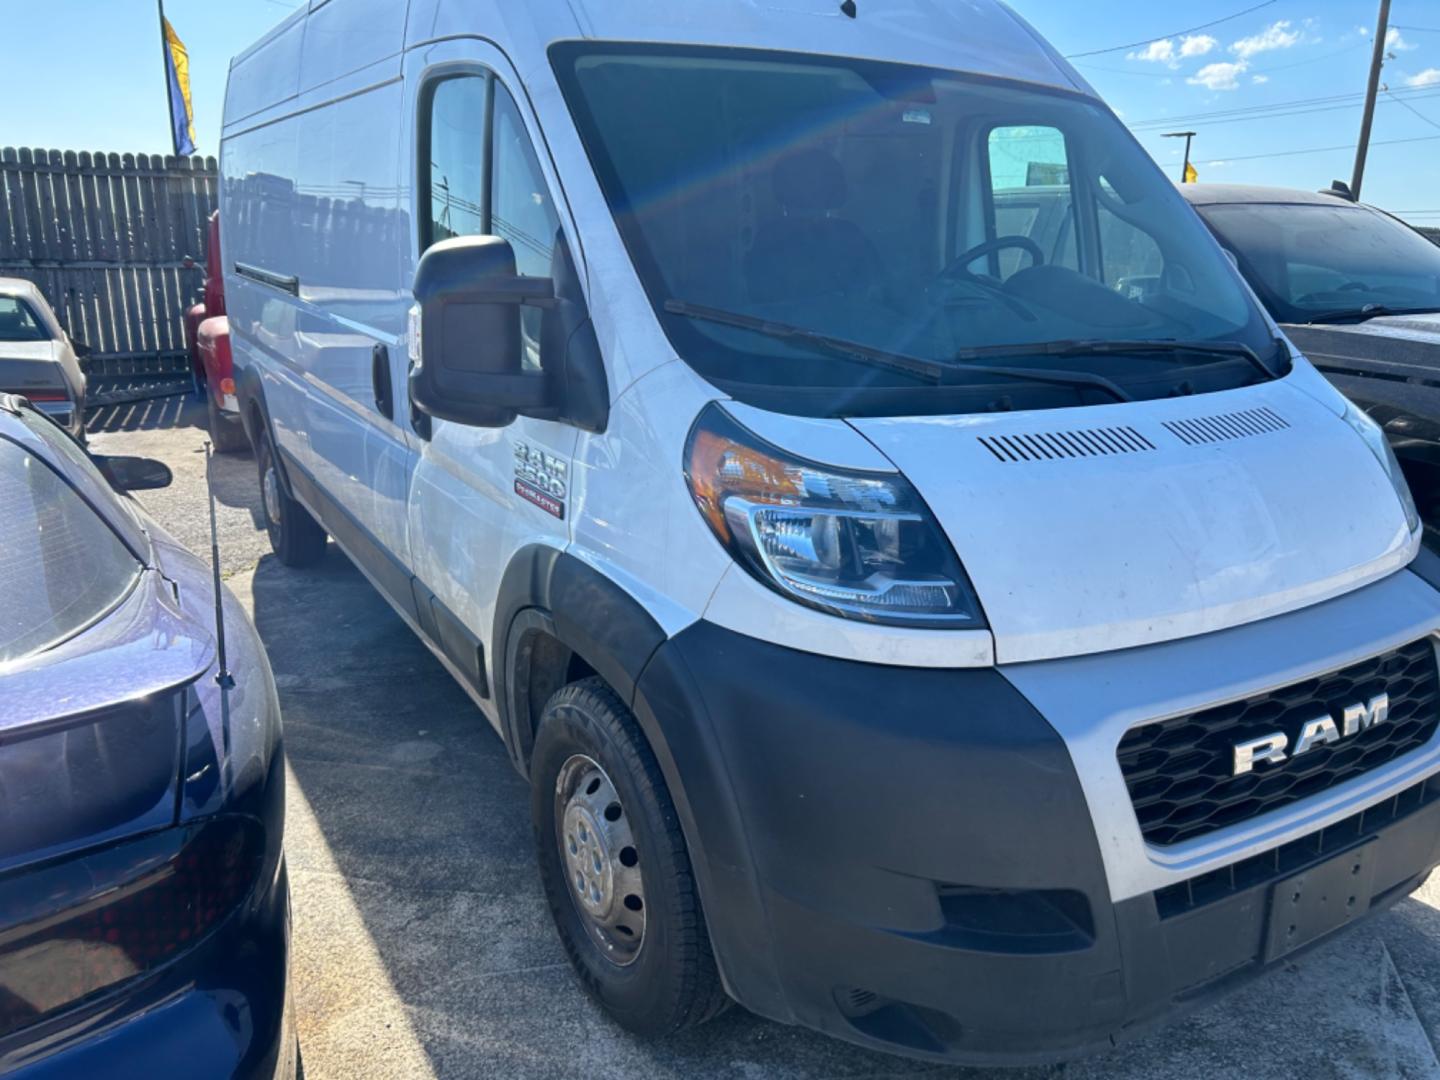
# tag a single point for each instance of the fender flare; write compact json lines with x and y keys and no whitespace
{"x":546,"y":590}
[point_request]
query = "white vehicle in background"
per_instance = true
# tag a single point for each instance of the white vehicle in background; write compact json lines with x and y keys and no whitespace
{"x":970,"y":648}
{"x":37,"y":358}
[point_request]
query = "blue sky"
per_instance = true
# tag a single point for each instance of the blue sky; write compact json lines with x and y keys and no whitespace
{"x":112,"y":93}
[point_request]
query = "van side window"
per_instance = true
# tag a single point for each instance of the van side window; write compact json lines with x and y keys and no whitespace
{"x":522,"y":210}
{"x":1030,"y":189}
{"x":457,"y":160}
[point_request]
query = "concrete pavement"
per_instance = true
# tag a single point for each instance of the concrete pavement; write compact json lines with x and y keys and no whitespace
{"x":422,"y":943}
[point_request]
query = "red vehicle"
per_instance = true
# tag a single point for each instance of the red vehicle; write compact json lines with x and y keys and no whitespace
{"x":207,"y":330}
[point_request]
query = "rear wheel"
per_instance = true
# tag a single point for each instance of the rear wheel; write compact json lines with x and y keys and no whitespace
{"x":295,"y":536}
{"x":227,"y":434}
{"x":615,"y":867}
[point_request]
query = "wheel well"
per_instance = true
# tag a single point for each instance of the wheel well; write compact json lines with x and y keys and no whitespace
{"x":543,"y":664}
{"x":257,"y":422}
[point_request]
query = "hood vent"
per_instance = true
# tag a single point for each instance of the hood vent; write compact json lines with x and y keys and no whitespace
{"x":1227,"y":426}
{"x":1054,"y":445}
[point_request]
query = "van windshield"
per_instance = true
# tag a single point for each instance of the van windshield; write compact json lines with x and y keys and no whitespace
{"x":837,"y":237}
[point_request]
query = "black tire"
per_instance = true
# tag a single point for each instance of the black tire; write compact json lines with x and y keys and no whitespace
{"x":296,"y":538}
{"x":227,"y":433}
{"x":672,"y":982}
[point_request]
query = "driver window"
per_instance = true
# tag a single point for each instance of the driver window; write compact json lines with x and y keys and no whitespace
{"x":1030,"y":193}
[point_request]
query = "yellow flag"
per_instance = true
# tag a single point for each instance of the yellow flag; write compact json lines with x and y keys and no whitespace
{"x":1191,"y":176}
{"x":182,"y":112}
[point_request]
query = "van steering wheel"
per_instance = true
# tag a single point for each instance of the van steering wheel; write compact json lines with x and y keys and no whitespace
{"x":957,"y":266}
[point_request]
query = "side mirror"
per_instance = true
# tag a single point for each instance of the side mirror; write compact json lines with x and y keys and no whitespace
{"x":134,"y":473}
{"x":468,"y":361}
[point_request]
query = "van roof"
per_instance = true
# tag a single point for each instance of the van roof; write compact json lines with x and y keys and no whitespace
{"x":979,"y":36}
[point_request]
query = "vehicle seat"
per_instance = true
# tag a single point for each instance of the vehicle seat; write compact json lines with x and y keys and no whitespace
{"x":807,"y":251}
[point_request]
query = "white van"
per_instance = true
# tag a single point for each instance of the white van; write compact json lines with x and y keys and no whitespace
{"x":967,"y":645}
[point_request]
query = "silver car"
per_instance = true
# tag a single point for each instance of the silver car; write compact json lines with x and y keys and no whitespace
{"x":37,"y":358}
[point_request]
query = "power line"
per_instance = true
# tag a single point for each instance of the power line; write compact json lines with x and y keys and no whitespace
{"x":1420,"y":29}
{"x":1280,"y":115}
{"x":1322,"y":149}
{"x":1173,"y":33}
{"x":1412,"y":108}
{"x":1296,"y":103}
{"x":1175,"y":74}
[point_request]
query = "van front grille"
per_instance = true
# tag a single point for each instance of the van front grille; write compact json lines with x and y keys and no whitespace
{"x":1180,"y":772}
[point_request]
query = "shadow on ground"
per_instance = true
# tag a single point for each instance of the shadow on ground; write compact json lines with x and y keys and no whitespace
{"x":152,"y":414}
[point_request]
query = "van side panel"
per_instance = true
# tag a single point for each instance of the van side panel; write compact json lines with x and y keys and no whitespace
{"x":344,"y":37}
{"x":312,"y":200}
{"x":266,"y":74}
{"x":257,"y":212}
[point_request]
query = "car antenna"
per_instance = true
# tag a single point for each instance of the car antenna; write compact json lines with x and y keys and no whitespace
{"x":223,"y":676}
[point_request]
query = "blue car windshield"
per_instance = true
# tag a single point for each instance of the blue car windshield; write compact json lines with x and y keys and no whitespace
{"x":963,"y":222}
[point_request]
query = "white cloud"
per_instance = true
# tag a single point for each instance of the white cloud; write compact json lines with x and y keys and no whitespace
{"x":1197,"y":45}
{"x":1276,"y":36}
{"x":1259,"y":80}
{"x":1428,"y":77}
{"x":1222,"y":76}
{"x":1396,"y":41}
{"x":1157,"y":52}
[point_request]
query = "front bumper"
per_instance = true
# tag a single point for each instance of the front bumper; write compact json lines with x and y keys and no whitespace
{"x":926,"y":862}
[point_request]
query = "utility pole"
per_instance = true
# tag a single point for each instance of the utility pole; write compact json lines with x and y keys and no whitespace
{"x":1362,"y":151}
{"x":1189,"y":137}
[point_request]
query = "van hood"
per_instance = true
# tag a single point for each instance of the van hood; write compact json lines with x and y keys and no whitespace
{"x":1086,"y":530}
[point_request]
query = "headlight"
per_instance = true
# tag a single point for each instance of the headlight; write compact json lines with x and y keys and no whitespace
{"x":856,"y":544}
{"x":1374,"y":437}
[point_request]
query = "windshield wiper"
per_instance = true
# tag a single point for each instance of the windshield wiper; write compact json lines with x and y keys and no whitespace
{"x":1101,"y":347}
{"x":1363,"y":314}
{"x":933,"y":371}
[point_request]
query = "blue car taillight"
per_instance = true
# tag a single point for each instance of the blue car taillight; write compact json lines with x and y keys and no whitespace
{"x":75,"y":928}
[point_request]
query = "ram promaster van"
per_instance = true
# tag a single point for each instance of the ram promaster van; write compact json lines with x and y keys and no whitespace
{"x":970,"y":649}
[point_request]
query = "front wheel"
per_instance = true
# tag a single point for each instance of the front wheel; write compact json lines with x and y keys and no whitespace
{"x":615,"y":867}
{"x":295,"y":537}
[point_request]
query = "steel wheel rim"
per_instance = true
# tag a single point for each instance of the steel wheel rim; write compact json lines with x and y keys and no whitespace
{"x":270,"y":490}
{"x":600,"y":859}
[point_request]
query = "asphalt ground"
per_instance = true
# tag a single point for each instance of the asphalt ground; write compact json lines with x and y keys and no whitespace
{"x":422,"y":944}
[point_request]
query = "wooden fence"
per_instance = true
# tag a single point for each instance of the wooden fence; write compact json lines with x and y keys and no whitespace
{"x":105,"y":237}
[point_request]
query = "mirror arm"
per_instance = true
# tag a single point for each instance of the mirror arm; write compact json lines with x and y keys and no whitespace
{"x":521,"y":291}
